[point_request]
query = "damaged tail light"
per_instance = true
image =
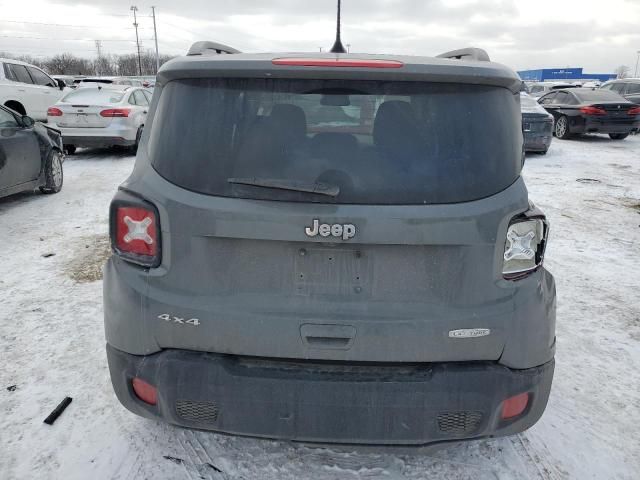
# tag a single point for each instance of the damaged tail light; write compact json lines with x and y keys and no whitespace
{"x":135,"y":232}
{"x":525,"y":245}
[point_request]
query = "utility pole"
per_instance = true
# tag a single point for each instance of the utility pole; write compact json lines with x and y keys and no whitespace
{"x":99,"y":51}
{"x":134,"y":9}
{"x":635,"y":74}
{"x":155,"y":36}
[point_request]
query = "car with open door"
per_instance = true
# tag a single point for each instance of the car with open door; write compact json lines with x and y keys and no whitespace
{"x":100,"y":116}
{"x":587,"y":110}
{"x":30,"y":155}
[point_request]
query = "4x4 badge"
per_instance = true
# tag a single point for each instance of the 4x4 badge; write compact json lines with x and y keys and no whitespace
{"x":346,"y":231}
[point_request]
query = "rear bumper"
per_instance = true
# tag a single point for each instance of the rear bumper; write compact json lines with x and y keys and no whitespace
{"x":409,"y":404}
{"x":537,"y":142}
{"x":99,"y":141}
{"x":595,"y":125}
{"x":114,"y":134}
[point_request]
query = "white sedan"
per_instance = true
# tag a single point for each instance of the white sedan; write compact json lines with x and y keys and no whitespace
{"x":101,"y":116}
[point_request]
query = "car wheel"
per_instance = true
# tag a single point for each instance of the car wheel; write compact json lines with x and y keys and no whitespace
{"x":562,"y":128}
{"x":53,"y":173}
{"x":70,"y":149}
{"x":618,"y":136}
{"x":134,"y":147}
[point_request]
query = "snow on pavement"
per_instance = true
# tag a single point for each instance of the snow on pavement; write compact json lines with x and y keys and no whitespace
{"x":52,"y":345}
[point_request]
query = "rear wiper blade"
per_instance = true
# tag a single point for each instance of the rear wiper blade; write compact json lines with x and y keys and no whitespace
{"x":318,"y":188}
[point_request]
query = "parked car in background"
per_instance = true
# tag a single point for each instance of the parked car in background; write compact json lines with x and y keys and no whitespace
{"x":92,"y":81}
{"x":28,"y":90}
{"x":586,"y":110}
{"x":66,"y":79}
{"x":629,"y":88}
{"x":537,"y":125}
{"x":101,"y":116}
{"x":30,"y":155}
{"x":541,"y":88}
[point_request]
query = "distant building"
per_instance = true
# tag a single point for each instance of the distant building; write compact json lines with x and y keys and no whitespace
{"x":557,"y":74}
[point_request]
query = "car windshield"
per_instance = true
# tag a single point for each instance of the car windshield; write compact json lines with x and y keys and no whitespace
{"x":377,"y":142}
{"x":94,"y":96}
{"x":598,"y":95}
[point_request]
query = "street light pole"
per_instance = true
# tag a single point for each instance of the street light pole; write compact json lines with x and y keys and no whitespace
{"x":134,"y":9}
{"x":155,"y":36}
{"x":635,"y":74}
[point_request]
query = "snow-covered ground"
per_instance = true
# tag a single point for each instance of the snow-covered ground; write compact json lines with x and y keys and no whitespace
{"x":52,"y":345}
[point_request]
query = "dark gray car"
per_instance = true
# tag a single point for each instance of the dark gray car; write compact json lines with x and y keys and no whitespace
{"x":331,"y":248}
{"x":30,"y":155}
{"x":537,"y":125}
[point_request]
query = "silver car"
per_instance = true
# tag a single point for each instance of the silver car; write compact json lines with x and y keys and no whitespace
{"x":101,"y":117}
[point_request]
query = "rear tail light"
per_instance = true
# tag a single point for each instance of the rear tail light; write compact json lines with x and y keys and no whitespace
{"x":634,"y":111}
{"x":593,"y":110}
{"x":514,"y":406}
{"x":145,"y":391}
{"x":525,"y":245}
{"x":54,"y":112}
{"x":338,"y":62}
{"x":135,"y":232}
{"x":115,"y":112}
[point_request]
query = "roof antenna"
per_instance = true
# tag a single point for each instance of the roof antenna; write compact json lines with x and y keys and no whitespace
{"x":337,"y":46}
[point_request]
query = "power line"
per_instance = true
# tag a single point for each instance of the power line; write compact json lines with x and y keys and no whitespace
{"x":62,"y":24}
{"x":66,"y":39}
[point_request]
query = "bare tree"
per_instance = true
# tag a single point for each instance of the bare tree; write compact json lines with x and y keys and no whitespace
{"x":69,"y":64}
{"x":622,"y":71}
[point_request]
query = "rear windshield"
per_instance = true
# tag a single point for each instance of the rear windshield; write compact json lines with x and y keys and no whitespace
{"x":598,"y":95}
{"x":377,"y":142}
{"x":90,"y":95}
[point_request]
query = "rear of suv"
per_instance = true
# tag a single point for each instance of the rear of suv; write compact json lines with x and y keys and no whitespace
{"x":331,"y":248}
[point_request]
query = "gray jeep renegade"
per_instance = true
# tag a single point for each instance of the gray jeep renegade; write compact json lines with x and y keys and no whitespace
{"x":331,"y":248}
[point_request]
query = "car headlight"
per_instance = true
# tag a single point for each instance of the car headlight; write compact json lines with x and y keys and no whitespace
{"x":524,"y":246}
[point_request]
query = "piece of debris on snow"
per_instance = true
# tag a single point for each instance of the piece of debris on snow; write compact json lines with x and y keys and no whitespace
{"x":175,"y":460}
{"x":53,"y":416}
{"x":12,"y":388}
{"x":588,"y":180}
{"x":213,"y":467}
{"x":48,"y":254}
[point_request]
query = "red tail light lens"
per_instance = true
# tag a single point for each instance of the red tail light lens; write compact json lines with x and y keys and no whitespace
{"x":590,"y":110}
{"x":115,"y":112}
{"x":135,"y":233}
{"x":145,"y":391}
{"x":634,"y":111}
{"x":514,"y":406}
{"x":54,"y":112}
{"x":337,"y":62}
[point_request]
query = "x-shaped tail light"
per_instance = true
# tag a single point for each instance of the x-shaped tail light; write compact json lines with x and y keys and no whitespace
{"x":138,"y":230}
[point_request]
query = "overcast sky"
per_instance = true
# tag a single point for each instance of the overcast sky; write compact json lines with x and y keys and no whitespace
{"x":596,"y":34}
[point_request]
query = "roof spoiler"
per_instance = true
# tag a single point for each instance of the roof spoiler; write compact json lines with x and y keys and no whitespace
{"x":471,"y":53}
{"x":206,"y":48}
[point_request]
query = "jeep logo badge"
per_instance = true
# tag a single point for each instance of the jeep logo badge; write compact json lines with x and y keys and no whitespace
{"x":345,"y":231}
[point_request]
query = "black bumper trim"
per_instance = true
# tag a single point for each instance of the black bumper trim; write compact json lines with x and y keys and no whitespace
{"x":330,"y":403}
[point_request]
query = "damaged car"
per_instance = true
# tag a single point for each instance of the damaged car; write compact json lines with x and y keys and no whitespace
{"x":31,"y":155}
